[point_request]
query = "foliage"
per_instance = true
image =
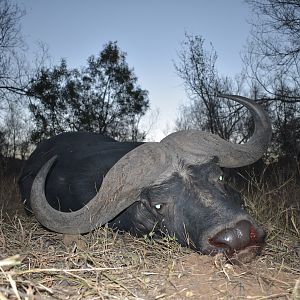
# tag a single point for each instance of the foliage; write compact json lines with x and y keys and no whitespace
{"x":272,"y":61}
{"x":286,"y":127}
{"x":205,"y":111}
{"x":273,"y":49}
{"x":2,"y":143}
{"x":102,"y":97}
{"x":16,"y":130}
{"x":11,"y":49}
{"x":13,"y":80}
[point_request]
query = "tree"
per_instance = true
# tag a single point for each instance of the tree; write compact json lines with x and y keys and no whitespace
{"x":205,"y":111}
{"x":3,"y":145}
{"x":50,"y":93}
{"x":11,"y":47}
{"x":286,"y":124}
{"x":15,"y":133}
{"x":273,"y":51}
{"x":272,"y":61}
{"x":103,"y":97}
{"x":14,"y":78}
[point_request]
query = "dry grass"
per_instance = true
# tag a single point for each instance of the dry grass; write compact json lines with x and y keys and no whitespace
{"x":100,"y":265}
{"x":38,"y":264}
{"x":276,"y":205}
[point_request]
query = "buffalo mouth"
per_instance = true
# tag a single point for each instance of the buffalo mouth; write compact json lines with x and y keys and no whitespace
{"x":237,"y":257}
{"x":239,"y":243}
{"x":245,"y":255}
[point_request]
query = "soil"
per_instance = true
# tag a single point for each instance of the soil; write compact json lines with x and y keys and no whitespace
{"x":188,"y":276}
{"x":204,"y":277}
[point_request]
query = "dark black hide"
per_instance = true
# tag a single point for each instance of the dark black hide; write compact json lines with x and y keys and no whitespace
{"x":188,"y":205}
{"x":82,"y":162}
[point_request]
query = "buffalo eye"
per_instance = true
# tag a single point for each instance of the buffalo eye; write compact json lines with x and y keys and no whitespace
{"x":158,"y":206}
{"x":221,"y":178}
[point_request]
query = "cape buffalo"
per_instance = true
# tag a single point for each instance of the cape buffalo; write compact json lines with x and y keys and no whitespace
{"x":75,"y":182}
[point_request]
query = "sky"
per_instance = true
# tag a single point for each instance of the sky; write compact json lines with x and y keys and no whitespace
{"x":150,"y":32}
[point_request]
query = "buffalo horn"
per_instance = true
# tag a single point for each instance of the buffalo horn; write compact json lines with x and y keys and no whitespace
{"x":196,"y":146}
{"x":120,"y":188}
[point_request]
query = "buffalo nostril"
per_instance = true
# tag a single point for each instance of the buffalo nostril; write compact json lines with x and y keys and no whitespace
{"x":242,"y":235}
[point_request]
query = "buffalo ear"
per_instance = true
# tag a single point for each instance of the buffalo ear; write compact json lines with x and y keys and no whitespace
{"x":215,"y":160}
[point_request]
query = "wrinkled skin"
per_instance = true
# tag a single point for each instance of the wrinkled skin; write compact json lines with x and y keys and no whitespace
{"x":192,"y":205}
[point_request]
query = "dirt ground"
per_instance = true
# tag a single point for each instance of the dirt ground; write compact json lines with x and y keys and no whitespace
{"x":208,"y":278}
{"x":37,"y":264}
{"x":51,"y":266}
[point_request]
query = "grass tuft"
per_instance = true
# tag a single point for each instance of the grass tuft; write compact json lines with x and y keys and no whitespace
{"x":37,"y":264}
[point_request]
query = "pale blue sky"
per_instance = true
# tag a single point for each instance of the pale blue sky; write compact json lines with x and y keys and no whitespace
{"x":149,"y":31}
